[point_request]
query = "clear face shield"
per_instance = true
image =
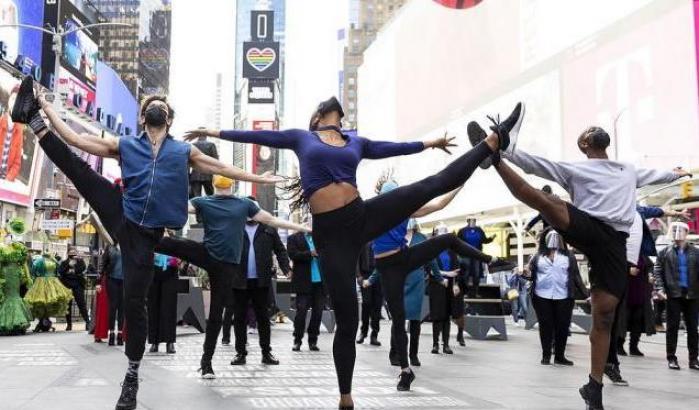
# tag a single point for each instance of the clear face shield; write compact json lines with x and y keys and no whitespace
{"x":441,"y":229}
{"x":553,"y":241}
{"x":679,"y":231}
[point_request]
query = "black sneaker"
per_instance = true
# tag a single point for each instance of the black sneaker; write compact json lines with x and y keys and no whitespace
{"x":268,"y":358}
{"x":460,"y":340}
{"x":297,"y":347}
{"x":499,"y":265}
{"x":613,"y":372}
{"x":562,"y":361}
{"x":694,"y":364}
{"x":313,"y":347}
{"x":546,"y":360}
{"x":361,"y":338}
{"x":673,"y":365}
{"x":238,"y":360}
{"x":129,"y":390}
{"x":26,"y":105}
{"x":414,"y":361}
{"x":592,"y":394}
{"x":207,"y":372}
{"x":405,"y":379}
{"x":509,"y":129}
{"x":447,"y":350}
{"x":476,"y":134}
{"x":111,"y":339}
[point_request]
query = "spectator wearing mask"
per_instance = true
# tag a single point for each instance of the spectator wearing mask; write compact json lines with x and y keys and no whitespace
{"x":677,"y":280}
{"x":162,"y":304}
{"x":473,"y":268}
{"x":71,"y":271}
{"x":372,"y":297}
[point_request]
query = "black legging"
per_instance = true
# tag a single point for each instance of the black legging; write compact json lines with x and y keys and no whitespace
{"x":414,"y":327}
{"x":554,"y":322}
{"x":395,"y":268}
{"x":340,"y":234}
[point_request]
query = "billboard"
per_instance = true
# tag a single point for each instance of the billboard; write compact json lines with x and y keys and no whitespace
{"x":261,"y":59}
{"x":17,"y":159}
{"x":20,"y":45}
{"x":79,"y":47}
{"x":261,"y":91}
{"x":117,"y":108}
{"x":79,"y":95}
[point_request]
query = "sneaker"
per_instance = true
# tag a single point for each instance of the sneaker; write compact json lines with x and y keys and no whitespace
{"x":694,"y":364}
{"x":509,"y":129}
{"x":499,"y":265}
{"x":546,"y":360}
{"x":405,"y":379}
{"x":313,"y":347}
{"x":361,"y":338}
{"x":613,"y":372}
{"x":447,"y":350}
{"x":120,"y":339}
{"x":111,"y":339}
{"x":476,"y":134}
{"x":207,"y":372}
{"x":129,"y":390}
{"x":562,"y":361}
{"x":268,"y":358}
{"x":435,"y":349}
{"x":26,"y":105}
{"x":460,"y":340}
{"x":672,"y":364}
{"x":238,"y":360}
{"x":296,"y":347}
{"x":414,"y":361}
{"x":592,"y":394}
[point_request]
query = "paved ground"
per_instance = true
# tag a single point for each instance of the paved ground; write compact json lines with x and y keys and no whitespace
{"x":67,"y":371}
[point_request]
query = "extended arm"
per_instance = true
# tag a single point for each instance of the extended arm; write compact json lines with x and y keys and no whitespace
{"x":437,"y":204}
{"x":92,"y":144}
{"x":208,"y":165}
{"x":651,"y":176}
{"x":276,"y":139}
{"x":541,"y":167}
{"x":266,"y":218}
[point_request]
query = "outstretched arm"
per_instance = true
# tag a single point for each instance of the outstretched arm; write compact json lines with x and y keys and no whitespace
{"x":437,"y":204}
{"x":276,"y":139}
{"x":651,"y":176}
{"x":208,"y":165}
{"x":266,"y":218}
{"x":92,"y":144}
{"x":383,"y":149}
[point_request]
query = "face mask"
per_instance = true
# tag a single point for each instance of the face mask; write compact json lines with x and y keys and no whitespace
{"x":553,"y":240}
{"x":679,"y":234}
{"x":156,"y":116}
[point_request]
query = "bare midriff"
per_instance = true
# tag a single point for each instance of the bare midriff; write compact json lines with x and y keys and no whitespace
{"x":332,"y":197}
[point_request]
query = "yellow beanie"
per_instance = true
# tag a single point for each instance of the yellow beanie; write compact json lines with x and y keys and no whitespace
{"x":222,"y":182}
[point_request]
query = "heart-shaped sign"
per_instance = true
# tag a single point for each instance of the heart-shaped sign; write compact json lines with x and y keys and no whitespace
{"x":261,"y":59}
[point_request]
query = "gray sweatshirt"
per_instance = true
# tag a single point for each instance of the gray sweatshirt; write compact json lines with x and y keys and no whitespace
{"x":602,"y":188}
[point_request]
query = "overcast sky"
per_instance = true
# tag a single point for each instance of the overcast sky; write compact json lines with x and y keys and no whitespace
{"x":203,"y":44}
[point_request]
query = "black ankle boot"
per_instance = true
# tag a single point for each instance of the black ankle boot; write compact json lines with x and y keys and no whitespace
{"x":592,"y":394}
{"x":435,"y":349}
{"x":129,"y":391}
{"x":170,"y":348}
{"x":111,"y":339}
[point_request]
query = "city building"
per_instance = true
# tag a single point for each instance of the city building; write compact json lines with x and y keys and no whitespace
{"x":367,"y":17}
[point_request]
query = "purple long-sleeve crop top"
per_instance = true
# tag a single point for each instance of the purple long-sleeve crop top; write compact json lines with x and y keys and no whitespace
{"x":323,"y":164}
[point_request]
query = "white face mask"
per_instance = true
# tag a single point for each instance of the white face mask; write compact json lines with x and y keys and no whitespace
{"x":553,"y":240}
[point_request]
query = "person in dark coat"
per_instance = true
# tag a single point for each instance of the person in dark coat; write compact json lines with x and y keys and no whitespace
{"x":162,"y":304}
{"x":197,"y":179}
{"x":372,"y":297}
{"x":473,"y":268}
{"x":71,"y":271}
{"x":307,"y":283}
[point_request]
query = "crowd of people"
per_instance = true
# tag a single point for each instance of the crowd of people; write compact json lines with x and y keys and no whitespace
{"x":601,"y":222}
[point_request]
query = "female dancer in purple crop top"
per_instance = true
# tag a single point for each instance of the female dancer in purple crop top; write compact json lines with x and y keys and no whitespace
{"x":342,"y":221}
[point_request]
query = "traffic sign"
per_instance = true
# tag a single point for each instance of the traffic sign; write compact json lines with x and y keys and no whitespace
{"x":47,"y":203}
{"x":53,"y":224}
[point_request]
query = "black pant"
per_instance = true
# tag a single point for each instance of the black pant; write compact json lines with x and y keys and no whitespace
{"x":196,"y":186}
{"x":612,"y":356}
{"x":220,"y":280}
{"x":395,"y":268}
{"x":658,"y":309}
{"x":635,"y":323}
{"x":137,"y":242}
{"x":688,"y":308}
{"x":554,"y":323}
{"x":115,"y":290}
{"x":414,"y":326}
{"x":259,"y":296}
{"x":474,"y":271}
{"x":162,"y":310}
{"x":340,"y":234}
{"x":372,"y":301}
{"x":443,"y":327}
{"x":313,"y":299}
{"x":79,"y":297}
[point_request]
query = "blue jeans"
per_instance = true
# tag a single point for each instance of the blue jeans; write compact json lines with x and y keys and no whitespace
{"x":520,"y":306}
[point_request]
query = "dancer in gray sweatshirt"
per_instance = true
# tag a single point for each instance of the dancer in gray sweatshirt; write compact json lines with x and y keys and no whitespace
{"x":597,"y":223}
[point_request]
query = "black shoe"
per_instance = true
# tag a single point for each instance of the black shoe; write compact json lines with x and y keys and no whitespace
{"x":633,"y":351}
{"x":207,"y":372}
{"x":546,"y":360}
{"x":120,"y":339}
{"x":313,"y":347}
{"x":405,"y":379}
{"x":694,"y":364}
{"x":621,"y":351}
{"x":447,"y":350}
{"x":460,"y":340}
{"x":393,"y":358}
{"x":111,"y":339}
{"x":414,"y":361}
{"x":225,"y":342}
{"x":69,"y":328}
{"x":153,"y":348}
{"x":296,"y":347}
{"x":170,"y":348}
{"x":562,"y":361}
{"x":341,"y":407}
{"x":672,"y":364}
{"x":26,"y":105}
{"x":509,"y":129}
{"x":374,"y":341}
{"x":592,"y":394}
{"x":499,"y":265}
{"x":238,"y":360}
{"x":361,"y":338}
{"x":476,"y":134}
{"x":129,"y":390}
{"x":435,"y":349}
{"x":613,"y":372}
{"x":268,"y":358}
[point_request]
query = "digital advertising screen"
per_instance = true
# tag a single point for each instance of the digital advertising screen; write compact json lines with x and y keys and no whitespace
{"x":80,"y":51}
{"x":22,"y":41}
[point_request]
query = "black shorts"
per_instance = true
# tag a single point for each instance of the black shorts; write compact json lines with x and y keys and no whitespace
{"x":604,"y":247}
